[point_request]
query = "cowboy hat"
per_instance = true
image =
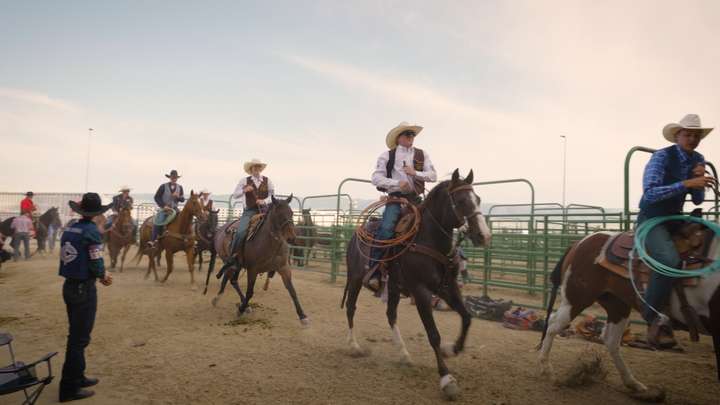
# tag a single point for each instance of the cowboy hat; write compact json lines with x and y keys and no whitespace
{"x":690,"y":121}
{"x":392,"y":136}
{"x":173,"y":173}
{"x":29,"y":194}
{"x":204,"y":191}
{"x":124,"y":188}
{"x":255,"y":162}
{"x":90,"y":205}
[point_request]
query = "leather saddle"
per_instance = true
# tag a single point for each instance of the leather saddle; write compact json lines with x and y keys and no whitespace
{"x":615,"y":257}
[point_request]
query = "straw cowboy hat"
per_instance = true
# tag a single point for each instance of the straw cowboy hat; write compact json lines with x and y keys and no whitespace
{"x":90,"y":205}
{"x":173,"y":173}
{"x":255,"y":162}
{"x":124,"y":188}
{"x":690,"y":121}
{"x":204,"y":191}
{"x":391,"y":138}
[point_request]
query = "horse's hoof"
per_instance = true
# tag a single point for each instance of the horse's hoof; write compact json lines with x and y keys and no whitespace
{"x":449,"y":386}
{"x":448,"y":350}
{"x":193,"y":287}
{"x":305,"y":322}
{"x":215,"y":301}
{"x":650,"y":394}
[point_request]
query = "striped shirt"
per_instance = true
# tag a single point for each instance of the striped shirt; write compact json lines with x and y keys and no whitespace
{"x":653,"y":188}
{"x":22,"y":224}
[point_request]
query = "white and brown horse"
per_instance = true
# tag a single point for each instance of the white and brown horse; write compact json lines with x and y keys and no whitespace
{"x":582,"y":281}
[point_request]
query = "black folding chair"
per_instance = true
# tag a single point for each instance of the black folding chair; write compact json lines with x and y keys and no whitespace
{"x":19,"y":376}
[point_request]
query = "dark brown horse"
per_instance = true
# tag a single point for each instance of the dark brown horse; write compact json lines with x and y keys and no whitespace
{"x":305,"y":240}
{"x":582,"y":282}
{"x":178,"y":236}
{"x":424,"y":269}
{"x":205,"y":234}
{"x":120,"y":236}
{"x":266,"y":251}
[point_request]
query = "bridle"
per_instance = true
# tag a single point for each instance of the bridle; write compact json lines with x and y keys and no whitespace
{"x":460,"y":219}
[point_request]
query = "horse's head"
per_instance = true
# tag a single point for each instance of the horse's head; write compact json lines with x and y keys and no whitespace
{"x":195,"y":206}
{"x":466,"y":206}
{"x":212,"y":219}
{"x":55,"y":217}
{"x":124,"y":215}
{"x":281,"y":218}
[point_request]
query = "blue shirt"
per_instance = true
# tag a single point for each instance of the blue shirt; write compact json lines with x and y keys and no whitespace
{"x":81,"y":252}
{"x":655,"y":190}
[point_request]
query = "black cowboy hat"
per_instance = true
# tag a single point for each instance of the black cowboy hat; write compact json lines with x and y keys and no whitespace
{"x":29,"y":194}
{"x":90,"y":206}
{"x":173,"y":173}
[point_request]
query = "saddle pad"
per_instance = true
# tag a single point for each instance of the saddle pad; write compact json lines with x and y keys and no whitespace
{"x":641,"y":272}
{"x":619,"y":247}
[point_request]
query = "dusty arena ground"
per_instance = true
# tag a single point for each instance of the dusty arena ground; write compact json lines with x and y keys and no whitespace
{"x":165,"y":344}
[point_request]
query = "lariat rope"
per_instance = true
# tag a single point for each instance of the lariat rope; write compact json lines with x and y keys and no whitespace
{"x":366,"y":238}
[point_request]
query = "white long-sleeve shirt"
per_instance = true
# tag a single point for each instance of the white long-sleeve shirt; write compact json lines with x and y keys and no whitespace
{"x":402,"y":154}
{"x":239,"y":194}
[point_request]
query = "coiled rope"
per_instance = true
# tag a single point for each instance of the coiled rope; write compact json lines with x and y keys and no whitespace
{"x":367,"y":238}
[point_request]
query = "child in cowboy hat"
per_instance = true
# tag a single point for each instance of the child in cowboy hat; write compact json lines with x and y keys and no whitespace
{"x":401,"y":171}
{"x":81,"y":263}
{"x":671,"y":174}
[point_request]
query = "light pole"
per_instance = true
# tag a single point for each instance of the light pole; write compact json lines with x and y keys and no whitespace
{"x":564,"y":167}
{"x":87,"y":161}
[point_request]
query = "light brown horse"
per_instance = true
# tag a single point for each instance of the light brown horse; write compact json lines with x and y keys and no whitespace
{"x":267,"y":251}
{"x":582,"y":282}
{"x":178,"y":236}
{"x":120,"y":237}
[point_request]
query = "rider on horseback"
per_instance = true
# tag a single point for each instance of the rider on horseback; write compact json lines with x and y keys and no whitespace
{"x":400,"y":171}
{"x":254,"y":192}
{"x":119,"y":202}
{"x":671,"y":174}
{"x":167,"y":197}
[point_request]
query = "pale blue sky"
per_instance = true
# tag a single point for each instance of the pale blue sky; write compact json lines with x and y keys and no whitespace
{"x":313,"y":87}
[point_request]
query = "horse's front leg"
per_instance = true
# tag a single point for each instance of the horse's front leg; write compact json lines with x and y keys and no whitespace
{"x":122,"y":259}
{"x":251,"y":278}
{"x":392,"y":305}
{"x":235,"y":285}
{"x":169,"y":260}
{"x":423,"y":298}
{"x":454,"y":299}
{"x":286,"y":276}
{"x":190,"y":256}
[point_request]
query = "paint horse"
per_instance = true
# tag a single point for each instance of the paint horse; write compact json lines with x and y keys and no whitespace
{"x":178,"y":236}
{"x":582,"y":281}
{"x":265,"y":251}
{"x":426,"y":269}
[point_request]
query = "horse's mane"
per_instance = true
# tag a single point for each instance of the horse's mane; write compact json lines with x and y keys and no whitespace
{"x":442,"y":186}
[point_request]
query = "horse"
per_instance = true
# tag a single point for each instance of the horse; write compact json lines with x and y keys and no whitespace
{"x":424,"y":269}
{"x":205,"y":234}
{"x":178,"y":236}
{"x":582,"y":282}
{"x":266,"y":251}
{"x":303,"y":244}
{"x":120,"y":236}
{"x":41,"y":224}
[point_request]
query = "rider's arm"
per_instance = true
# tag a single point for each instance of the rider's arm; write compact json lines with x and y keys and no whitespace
{"x":379,"y":176}
{"x":159,"y":196}
{"x":653,"y":188}
{"x":239,"y":193}
{"x":697,"y":194}
{"x":428,"y":173}
{"x":181,"y":194}
{"x":93,"y":241}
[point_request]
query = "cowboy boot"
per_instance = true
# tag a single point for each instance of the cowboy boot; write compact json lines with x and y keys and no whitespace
{"x":660,"y":334}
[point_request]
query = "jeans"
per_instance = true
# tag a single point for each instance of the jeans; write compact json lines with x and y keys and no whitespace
{"x":386,"y":231}
{"x":243,"y":227}
{"x":660,"y":246}
{"x":23,"y":237}
{"x":81,"y":303}
{"x":157,"y":230}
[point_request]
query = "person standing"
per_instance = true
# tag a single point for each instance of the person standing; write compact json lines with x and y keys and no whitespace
{"x":81,"y":264}
{"x":23,"y":230}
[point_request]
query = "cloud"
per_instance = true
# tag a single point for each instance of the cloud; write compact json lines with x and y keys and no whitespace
{"x":38,"y":99}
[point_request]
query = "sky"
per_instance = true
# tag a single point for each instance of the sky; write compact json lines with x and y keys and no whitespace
{"x":313,"y":87}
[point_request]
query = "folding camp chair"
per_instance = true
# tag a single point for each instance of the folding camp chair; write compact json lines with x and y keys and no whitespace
{"x":19,"y":376}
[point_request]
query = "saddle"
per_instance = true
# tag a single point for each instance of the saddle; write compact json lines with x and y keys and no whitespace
{"x":615,"y":257}
{"x":223,"y":245}
{"x":256,"y":223}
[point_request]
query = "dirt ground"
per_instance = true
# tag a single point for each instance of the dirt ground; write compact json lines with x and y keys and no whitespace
{"x":166,"y":344}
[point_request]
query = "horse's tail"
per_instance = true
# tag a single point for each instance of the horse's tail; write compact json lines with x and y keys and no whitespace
{"x":556,"y":279}
{"x":211,"y":267}
{"x":138,"y":255}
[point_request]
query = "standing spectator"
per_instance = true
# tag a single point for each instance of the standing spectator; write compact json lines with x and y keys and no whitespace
{"x":23,"y":230}
{"x":27,"y":204}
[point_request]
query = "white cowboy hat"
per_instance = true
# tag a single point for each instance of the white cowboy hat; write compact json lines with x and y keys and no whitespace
{"x":690,"y":121}
{"x":254,"y":162}
{"x":391,"y":138}
{"x":123,"y":188}
{"x":204,"y":191}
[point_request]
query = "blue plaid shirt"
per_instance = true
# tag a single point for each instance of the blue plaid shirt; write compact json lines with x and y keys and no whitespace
{"x":653,"y":188}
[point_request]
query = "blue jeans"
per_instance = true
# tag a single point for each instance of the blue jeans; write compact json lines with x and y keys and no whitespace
{"x":243,"y":227}
{"x":157,"y":230}
{"x":386,"y":231}
{"x":81,"y":304}
{"x":660,"y":246}
{"x":23,"y":237}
